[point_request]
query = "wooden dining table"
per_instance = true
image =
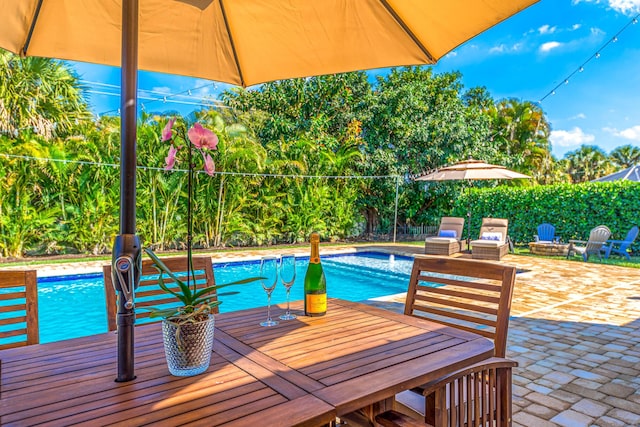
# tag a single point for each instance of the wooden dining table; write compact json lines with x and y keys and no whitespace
{"x":304,"y":371}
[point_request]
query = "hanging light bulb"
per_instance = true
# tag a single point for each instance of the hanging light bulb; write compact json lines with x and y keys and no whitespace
{"x":553,"y":92}
{"x":597,"y":55}
{"x":615,"y":39}
{"x":566,"y":81}
{"x":581,"y":69}
{"x":635,"y":21}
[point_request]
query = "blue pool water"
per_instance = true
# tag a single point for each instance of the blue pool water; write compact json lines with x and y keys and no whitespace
{"x":73,"y":306}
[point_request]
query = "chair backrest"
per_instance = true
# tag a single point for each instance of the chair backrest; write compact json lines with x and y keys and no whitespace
{"x":149,"y":293}
{"x":546,"y":232}
{"x":18,"y":308}
{"x":631,"y":237}
{"x":495,"y":225}
{"x":597,"y":237}
{"x":470,"y":295}
{"x":452,"y":223}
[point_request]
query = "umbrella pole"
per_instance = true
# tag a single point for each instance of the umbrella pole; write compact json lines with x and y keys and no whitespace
{"x":469,"y":216}
{"x":126,"y":250}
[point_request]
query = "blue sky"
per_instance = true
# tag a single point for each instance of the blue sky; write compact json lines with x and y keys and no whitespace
{"x":525,"y":57}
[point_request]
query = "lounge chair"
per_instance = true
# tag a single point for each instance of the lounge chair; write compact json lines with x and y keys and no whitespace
{"x":546,"y":234}
{"x":597,"y":238}
{"x":493,"y":242}
{"x":619,"y":247}
{"x":447,"y":241}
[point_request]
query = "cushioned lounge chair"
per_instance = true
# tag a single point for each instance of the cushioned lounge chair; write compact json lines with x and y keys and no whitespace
{"x":493,"y":242}
{"x":619,"y":247}
{"x":447,"y":241}
{"x":597,"y":238}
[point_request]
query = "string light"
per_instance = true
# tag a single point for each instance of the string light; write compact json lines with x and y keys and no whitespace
{"x":596,"y":55}
{"x":150,"y":168}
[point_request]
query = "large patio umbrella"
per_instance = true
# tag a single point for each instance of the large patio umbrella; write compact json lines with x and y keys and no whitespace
{"x":242,"y":42}
{"x":471,"y":170}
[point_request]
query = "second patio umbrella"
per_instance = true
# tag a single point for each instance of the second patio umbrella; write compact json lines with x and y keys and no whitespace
{"x":471,"y":170}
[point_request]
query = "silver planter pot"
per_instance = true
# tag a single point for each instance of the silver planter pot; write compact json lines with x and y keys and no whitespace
{"x":188,"y":347}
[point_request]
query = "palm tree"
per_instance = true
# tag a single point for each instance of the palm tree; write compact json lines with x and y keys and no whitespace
{"x":625,"y":156}
{"x":587,"y":163}
{"x":39,"y":94}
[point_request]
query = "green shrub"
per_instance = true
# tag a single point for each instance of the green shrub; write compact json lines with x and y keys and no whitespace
{"x":574,"y":209}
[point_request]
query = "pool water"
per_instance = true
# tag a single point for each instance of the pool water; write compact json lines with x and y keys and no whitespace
{"x":74,"y":306}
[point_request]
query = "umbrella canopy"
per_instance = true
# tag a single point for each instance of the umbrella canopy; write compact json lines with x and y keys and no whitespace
{"x":471,"y":170}
{"x":242,"y":42}
{"x":252,"y":41}
{"x":629,"y":174}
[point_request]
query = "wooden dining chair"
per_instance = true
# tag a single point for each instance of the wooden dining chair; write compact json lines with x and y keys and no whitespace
{"x":149,"y":293}
{"x":470,"y":295}
{"x":18,"y":308}
{"x":481,"y":393}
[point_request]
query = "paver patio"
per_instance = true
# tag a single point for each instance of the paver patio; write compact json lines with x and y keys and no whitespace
{"x":575,"y":332}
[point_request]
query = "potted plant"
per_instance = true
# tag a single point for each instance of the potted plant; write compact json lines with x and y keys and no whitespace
{"x":189,"y":327}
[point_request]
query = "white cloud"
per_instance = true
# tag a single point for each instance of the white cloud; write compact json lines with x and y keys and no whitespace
{"x":632,"y":133}
{"x":627,"y":7}
{"x":546,"y":29}
{"x":503,"y":48}
{"x":547,"y":47}
{"x":578,"y":116}
{"x":575,"y":27}
{"x":570,"y":138}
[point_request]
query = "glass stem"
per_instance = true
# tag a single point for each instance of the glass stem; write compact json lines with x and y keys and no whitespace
{"x":269,"y":306}
{"x":288,"y":289}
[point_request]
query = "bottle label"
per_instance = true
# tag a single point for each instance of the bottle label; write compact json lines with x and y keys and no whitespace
{"x":316,"y":303}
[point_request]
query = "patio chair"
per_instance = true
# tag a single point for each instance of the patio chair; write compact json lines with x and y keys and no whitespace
{"x":149,"y":293}
{"x":464,"y":294}
{"x":546,"y":234}
{"x":19,"y":308}
{"x":489,"y":385}
{"x":597,"y":238}
{"x":493,"y":243}
{"x":448,"y":241}
{"x":619,"y":247}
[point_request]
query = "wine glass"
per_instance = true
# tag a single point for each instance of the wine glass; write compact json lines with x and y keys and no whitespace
{"x":269,"y":279}
{"x":288,"y":276}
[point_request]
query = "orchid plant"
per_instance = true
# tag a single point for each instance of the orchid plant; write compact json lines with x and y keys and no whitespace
{"x":196,"y":304}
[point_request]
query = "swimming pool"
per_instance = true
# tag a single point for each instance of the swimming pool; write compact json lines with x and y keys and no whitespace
{"x":74,"y":306}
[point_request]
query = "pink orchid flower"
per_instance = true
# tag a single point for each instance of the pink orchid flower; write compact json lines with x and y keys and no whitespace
{"x":209,"y":166}
{"x":171,"y":158}
{"x":166,"y":132}
{"x":202,"y":138}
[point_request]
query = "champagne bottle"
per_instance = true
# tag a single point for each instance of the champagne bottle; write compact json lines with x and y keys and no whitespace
{"x":315,"y":284}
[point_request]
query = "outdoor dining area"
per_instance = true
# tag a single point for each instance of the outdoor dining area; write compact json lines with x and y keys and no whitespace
{"x":378,"y":361}
{"x":350,"y":363}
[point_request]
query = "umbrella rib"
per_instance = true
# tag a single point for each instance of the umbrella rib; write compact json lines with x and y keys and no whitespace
{"x":408,"y":31}
{"x":25,"y":47}
{"x":233,"y":45}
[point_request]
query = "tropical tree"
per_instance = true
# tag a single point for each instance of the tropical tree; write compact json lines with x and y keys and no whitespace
{"x":625,"y":156}
{"x":420,"y":121}
{"x":587,"y":163}
{"x":522,"y":132}
{"x":39,"y":94}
